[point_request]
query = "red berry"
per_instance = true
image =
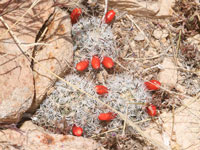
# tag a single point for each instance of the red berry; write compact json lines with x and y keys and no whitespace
{"x":95,"y":62}
{"x":75,"y":15}
{"x":110,"y":15}
{"x":82,"y":65}
{"x":108,"y":62}
{"x":152,"y":85}
{"x":101,"y":90}
{"x":151,"y":110}
{"x":77,"y":131}
{"x":107,"y":116}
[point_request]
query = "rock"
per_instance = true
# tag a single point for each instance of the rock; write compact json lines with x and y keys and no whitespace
{"x":16,"y":86}
{"x":158,"y":8}
{"x":31,"y":137}
{"x":139,"y":37}
{"x":27,"y":27}
{"x":165,"y":8}
{"x":16,"y":77}
{"x":160,"y":34}
{"x":56,"y":57}
{"x":157,"y":34}
{"x":168,"y":75}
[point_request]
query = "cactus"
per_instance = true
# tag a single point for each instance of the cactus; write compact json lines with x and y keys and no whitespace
{"x":79,"y":109}
{"x":93,"y":37}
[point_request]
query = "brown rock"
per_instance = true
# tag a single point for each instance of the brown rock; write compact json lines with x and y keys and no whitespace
{"x":168,"y":76}
{"x":56,"y":57}
{"x":16,"y":86}
{"x":32,"y":137}
{"x":158,"y":8}
{"x":23,"y":21}
{"x":16,"y":78}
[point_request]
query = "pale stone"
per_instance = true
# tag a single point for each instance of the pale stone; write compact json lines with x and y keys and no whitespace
{"x":157,"y":34}
{"x":160,"y":34}
{"x":55,"y":58}
{"x":168,"y":75}
{"x":31,"y":137}
{"x":139,"y":37}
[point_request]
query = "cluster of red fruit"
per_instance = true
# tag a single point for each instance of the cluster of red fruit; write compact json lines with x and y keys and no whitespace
{"x":108,"y":63}
{"x":83,"y":65}
{"x":151,"y":85}
{"x":95,"y":62}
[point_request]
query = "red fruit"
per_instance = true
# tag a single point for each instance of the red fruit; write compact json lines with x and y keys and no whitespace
{"x":108,"y":62}
{"x":110,"y":15}
{"x":95,"y":62}
{"x":75,"y":15}
{"x":107,"y":116}
{"x":77,"y":131}
{"x":82,"y":65}
{"x":151,"y":110}
{"x":101,"y":90}
{"x":152,"y":85}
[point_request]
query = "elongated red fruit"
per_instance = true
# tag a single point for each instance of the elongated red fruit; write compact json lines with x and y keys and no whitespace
{"x":77,"y":131}
{"x":95,"y":62}
{"x":101,"y":90}
{"x":110,"y":15}
{"x":152,"y":85}
{"x":82,"y":65}
{"x":151,"y":110}
{"x":107,"y":62}
{"x":107,"y":116}
{"x":75,"y":15}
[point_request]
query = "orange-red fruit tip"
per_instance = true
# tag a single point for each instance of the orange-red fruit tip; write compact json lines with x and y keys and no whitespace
{"x":77,"y":131}
{"x":76,"y":12}
{"x":101,"y":90}
{"x":110,"y":15}
{"x":82,"y":65}
{"x":107,"y":116}
{"x":151,"y":110}
{"x":108,"y":62}
{"x":95,"y":62}
{"x":152,"y":85}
